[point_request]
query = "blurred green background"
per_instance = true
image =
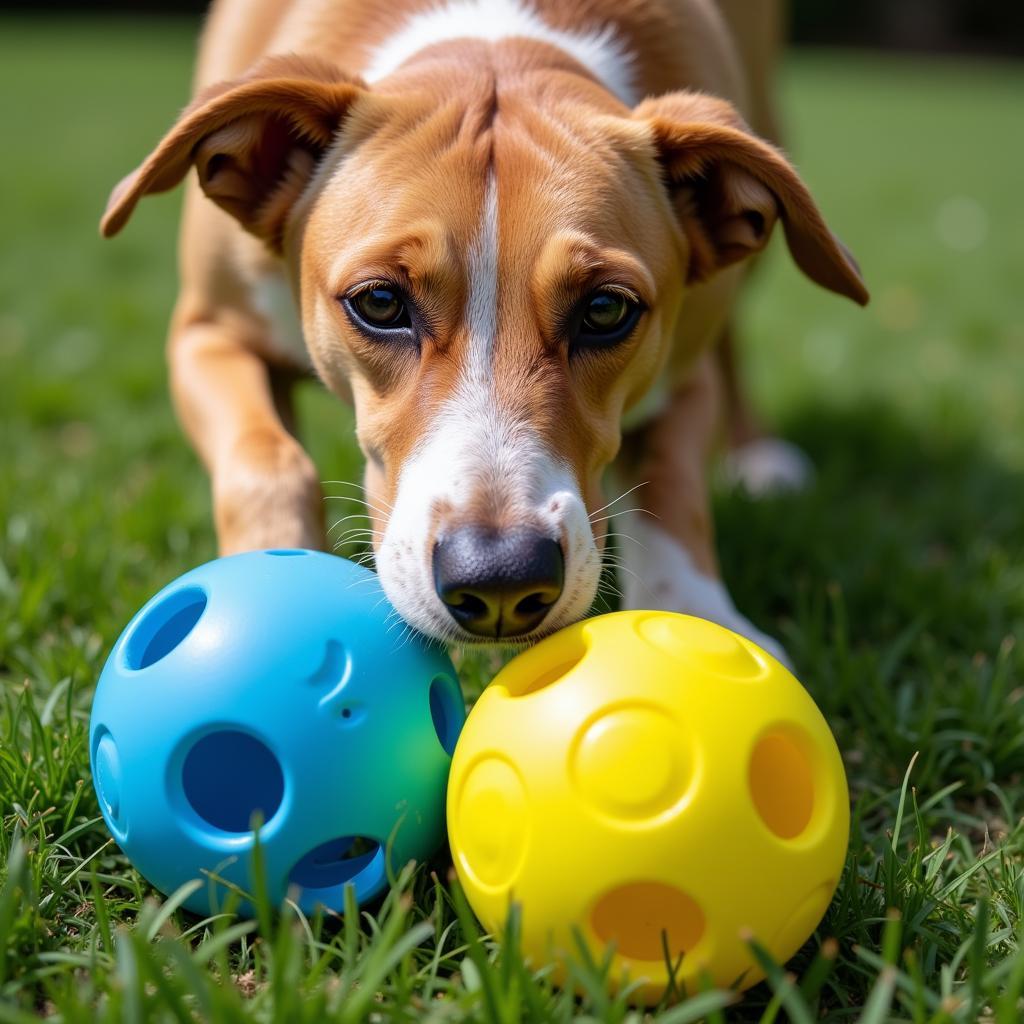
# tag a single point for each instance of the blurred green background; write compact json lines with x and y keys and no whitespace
{"x":986,"y":26}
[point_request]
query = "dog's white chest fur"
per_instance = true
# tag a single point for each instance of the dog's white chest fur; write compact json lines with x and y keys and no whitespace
{"x":598,"y":48}
{"x":272,"y":298}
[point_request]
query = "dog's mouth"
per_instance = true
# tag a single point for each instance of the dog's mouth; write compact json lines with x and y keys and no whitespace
{"x":451,"y":633}
{"x":513,"y":642}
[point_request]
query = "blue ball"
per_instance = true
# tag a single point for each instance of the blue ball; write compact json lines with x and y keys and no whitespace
{"x":278,"y":686}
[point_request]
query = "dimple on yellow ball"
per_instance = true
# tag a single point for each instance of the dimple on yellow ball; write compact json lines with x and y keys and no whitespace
{"x":657,"y":782}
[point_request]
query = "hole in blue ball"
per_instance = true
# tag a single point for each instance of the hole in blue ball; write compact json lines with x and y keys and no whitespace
{"x":282,"y":552}
{"x":164,"y":626}
{"x":106,"y":775}
{"x":447,"y":711}
{"x":228,"y":776}
{"x":346,"y":860}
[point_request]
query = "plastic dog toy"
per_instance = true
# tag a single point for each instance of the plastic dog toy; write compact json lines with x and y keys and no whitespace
{"x":659,"y":783}
{"x":273,"y":686}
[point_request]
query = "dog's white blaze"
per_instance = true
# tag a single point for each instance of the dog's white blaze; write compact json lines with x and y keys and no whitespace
{"x":599,"y":49}
{"x":475,"y":445}
{"x":470,"y":447}
{"x":660,"y":574}
{"x":482,"y":305}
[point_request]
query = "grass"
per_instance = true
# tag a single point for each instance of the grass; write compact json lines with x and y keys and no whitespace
{"x":897,"y":581}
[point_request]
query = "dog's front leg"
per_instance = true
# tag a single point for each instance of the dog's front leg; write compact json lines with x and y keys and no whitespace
{"x":668,"y":552}
{"x":266,"y":492}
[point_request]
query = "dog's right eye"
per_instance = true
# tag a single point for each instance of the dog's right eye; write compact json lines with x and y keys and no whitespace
{"x":379,"y":308}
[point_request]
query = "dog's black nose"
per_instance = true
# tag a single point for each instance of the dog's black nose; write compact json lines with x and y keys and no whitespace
{"x":498,"y":583}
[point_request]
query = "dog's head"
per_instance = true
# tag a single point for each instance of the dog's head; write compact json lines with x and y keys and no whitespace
{"x":491,"y":255}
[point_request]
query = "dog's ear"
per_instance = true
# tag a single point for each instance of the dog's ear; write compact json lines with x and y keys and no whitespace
{"x":730,"y":186}
{"x":254,"y":142}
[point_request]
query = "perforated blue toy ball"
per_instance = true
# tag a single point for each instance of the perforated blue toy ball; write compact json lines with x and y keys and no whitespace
{"x":277,"y":684}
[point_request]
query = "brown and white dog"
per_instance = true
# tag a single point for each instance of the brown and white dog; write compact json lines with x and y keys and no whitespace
{"x":512,"y":231}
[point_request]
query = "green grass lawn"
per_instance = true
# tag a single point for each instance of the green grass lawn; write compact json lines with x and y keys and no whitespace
{"x":897,"y":581}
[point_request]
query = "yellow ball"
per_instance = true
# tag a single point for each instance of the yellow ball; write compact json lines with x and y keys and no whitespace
{"x":655,"y":781}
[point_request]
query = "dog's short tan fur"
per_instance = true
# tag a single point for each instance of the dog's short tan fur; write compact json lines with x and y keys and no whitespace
{"x":496,"y":179}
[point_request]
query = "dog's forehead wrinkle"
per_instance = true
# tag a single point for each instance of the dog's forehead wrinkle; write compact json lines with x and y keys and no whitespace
{"x":477,"y":117}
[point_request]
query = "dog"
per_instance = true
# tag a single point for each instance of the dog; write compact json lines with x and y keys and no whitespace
{"x":510,"y":232}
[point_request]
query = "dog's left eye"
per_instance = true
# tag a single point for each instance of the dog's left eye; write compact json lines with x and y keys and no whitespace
{"x":379,"y":308}
{"x":605,"y":318}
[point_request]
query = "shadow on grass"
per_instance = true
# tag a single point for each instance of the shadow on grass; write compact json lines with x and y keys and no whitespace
{"x":897,"y":584}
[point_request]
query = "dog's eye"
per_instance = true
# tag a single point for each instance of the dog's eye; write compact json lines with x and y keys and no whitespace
{"x":608,"y":317}
{"x":380,"y":307}
{"x":605,"y":312}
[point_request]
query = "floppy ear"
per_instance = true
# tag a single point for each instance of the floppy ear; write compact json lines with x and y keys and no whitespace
{"x":730,"y":186}
{"x":254,"y":142}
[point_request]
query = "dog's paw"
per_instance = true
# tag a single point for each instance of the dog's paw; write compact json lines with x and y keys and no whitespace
{"x":768,"y":466}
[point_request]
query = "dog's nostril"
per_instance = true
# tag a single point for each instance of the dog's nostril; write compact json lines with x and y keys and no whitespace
{"x":533,"y":603}
{"x":469,"y":604}
{"x":496,"y":583}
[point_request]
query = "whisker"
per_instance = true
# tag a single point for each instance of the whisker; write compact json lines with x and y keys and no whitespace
{"x":360,"y":551}
{"x":363,"y":579}
{"x":626,"y":569}
{"x":624,"y":512}
{"x":357,"y":532}
{"x":359,"y":548}
{"x":407,"y":637}
{"x":624,"y":494}
{"x":354,"y":537}
{"x":357,"y":499}
{"x":345,"y":497}
{"x":605,"y":587}
{"x":349,"y":536}
{"x":367,"y":579}
{"x":346,"y":519}
{"x":394,"y":625}
{"x":360,"y":557}
{"x":624,"y":536}
{"x":384,"y":514}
